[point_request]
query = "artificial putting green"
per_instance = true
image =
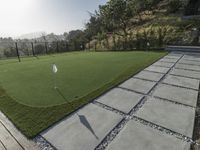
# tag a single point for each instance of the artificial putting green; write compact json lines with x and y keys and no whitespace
{"x":27,"y":94}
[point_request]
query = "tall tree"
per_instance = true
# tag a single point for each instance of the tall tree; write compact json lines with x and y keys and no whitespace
{"x":192,"y":7}
{"x":116,"y":16}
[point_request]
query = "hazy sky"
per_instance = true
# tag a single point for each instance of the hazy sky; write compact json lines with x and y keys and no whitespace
{"x":19,"y":17}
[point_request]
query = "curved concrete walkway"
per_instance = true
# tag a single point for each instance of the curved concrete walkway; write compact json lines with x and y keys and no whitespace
{"x":153,"y":110}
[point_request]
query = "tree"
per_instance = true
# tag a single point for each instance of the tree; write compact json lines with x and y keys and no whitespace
{"x":94,"y":26}
{"x":116,"y":17}
{"x":192,"y":7}
{"x":76,"y":39}
{"x":174,"y":6}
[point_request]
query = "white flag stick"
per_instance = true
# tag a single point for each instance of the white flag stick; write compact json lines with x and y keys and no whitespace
{"x":54,"y":70}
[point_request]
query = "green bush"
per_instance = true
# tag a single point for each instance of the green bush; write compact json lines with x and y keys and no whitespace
{"x":174,"y":6}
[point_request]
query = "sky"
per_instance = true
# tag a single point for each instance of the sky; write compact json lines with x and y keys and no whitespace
{"x":18,"y":17}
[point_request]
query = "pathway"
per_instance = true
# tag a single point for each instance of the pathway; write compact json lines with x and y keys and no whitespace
{"x":11,"y":138}
{"x":153,"y":110}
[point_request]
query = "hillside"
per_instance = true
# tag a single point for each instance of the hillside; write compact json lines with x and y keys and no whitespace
{"x":164,"y":25}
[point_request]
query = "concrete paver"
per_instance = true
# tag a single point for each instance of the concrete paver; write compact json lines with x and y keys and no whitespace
{"x":157,"y":69}
{"x":182,"y":81}
{"x":192,"y":57}
{"x":2,"y":146}
{"x":138,"y":85}
{"x":163,"y":64}
{"x":186,"y":73}
{"x":190,"y":62}
{"x":153,"y":76}
{"x":82,"y":131}
{"x":176,"y":54}
{"x":177,"y":118}
{"x":120,"y":99}
{"x":188,"y":67}
{"x":136,"y":136}
{"x":173,"y":56}
{"x":177,"y":94}
{"x":168,"y":60}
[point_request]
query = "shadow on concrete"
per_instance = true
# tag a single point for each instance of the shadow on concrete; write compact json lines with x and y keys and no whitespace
{"x":82,"y":118}
{"x":85,"y":122}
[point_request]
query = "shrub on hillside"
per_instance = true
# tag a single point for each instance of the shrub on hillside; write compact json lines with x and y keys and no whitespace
{"x":174,"y":6}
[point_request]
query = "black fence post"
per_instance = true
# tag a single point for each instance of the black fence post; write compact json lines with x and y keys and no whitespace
{"x":17,"y":50}
{"x":32,"y":49}
{"x":66,"y":46}
{"x":57,"y":47}
{"x":95,"y":46}
{"x":46,"y":47}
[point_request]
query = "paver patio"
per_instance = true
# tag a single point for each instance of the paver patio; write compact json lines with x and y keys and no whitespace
{"x":190,"y":62}
{"x":177,"y":94}
{"x":163,"y":64}
{"x":157,"y":69}
{"x":168,"y":60}
{"x":152,"y":76}
{"x":188,"y":67}
{"x":139,"y":137}
{"x":174,"y":56}
{"x":120,"y":99}
{"x":192,"y":57}
{"x":138,"y":85}
{"x":84,"y":130}
{"x":186,"y":73}
{"x":174,"y":117}
{"x":182,"y":81}
{"x":160,"y":95}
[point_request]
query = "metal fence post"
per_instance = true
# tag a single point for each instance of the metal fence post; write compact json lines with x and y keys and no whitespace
{"x":32,"y":49}
{"x":46,"y":49}
{"x":66,"y":46}
{"x":57,"y":47}
{"x":17,"y":50}
{"x":95,"y":46}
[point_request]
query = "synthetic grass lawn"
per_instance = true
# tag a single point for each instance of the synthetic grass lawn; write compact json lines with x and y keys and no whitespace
{"x":27,"y":94}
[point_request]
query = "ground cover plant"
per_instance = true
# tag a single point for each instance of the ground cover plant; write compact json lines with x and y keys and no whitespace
{"x":27,"y":94}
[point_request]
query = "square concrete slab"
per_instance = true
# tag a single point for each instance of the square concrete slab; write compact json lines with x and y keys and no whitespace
{"x":168,"y":60}
{"x":192,"y":57}
{"x":157,"y":69}
{"x":153,"y":76}
{"x":83,"y":130}
{"x":177,"y":94}
{"x":163,"y":64}
{"x":189,"y":62}
{"x":182,"y":81}
{"x":120,"y":99}
{"x":186,"y":73}
{"x":138,"y":85}
{"x":177,"y":118}
{"x":136,"y":136}
{"x":187,"y":67}
{"x":172,"y":57}
{"x":175,"y":54}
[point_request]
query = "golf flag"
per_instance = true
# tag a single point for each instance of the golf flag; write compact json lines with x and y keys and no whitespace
{"x":55,"y":69}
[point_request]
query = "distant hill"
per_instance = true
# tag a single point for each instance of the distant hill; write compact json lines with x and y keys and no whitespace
{"x":33,"y":35}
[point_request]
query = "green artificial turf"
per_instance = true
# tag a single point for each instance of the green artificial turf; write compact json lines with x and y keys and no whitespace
{"x":27,"y":94}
